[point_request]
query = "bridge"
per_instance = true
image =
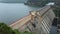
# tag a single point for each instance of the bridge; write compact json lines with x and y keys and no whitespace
{"x":39,"y":21}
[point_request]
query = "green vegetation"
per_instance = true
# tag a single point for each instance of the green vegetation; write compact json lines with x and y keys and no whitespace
{"x":42,"y":2}
{"x":37,"y":2}
{"x":57,"y":11}
{"x":4,"y":29}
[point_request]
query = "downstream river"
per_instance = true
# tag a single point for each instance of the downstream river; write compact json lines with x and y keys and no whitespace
{"x":10,"y":12}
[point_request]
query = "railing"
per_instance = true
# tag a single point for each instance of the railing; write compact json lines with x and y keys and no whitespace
{"x":20,"y":22}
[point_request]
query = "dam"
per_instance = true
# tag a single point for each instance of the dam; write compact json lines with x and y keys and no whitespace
{"x":39,"y":21}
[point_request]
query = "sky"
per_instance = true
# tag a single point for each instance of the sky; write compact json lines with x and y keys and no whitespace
{"x":13,"y":0}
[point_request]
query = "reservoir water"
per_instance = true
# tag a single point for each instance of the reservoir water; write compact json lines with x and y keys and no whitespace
{"x":10,"y":12}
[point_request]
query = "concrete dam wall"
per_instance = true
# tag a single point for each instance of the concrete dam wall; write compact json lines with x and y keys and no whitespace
{"x":39,"y":21}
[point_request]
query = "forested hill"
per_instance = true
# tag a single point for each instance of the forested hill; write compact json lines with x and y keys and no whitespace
{"x":32,"y":2}
{"x":37,"y":2}
{"x":42,"y":2}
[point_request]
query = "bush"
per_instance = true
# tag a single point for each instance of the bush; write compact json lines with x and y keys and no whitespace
{"x":4,"y":29}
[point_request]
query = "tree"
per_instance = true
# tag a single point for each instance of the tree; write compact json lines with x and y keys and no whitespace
{"x":4,"y":29}
{"x":37,"y":2}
